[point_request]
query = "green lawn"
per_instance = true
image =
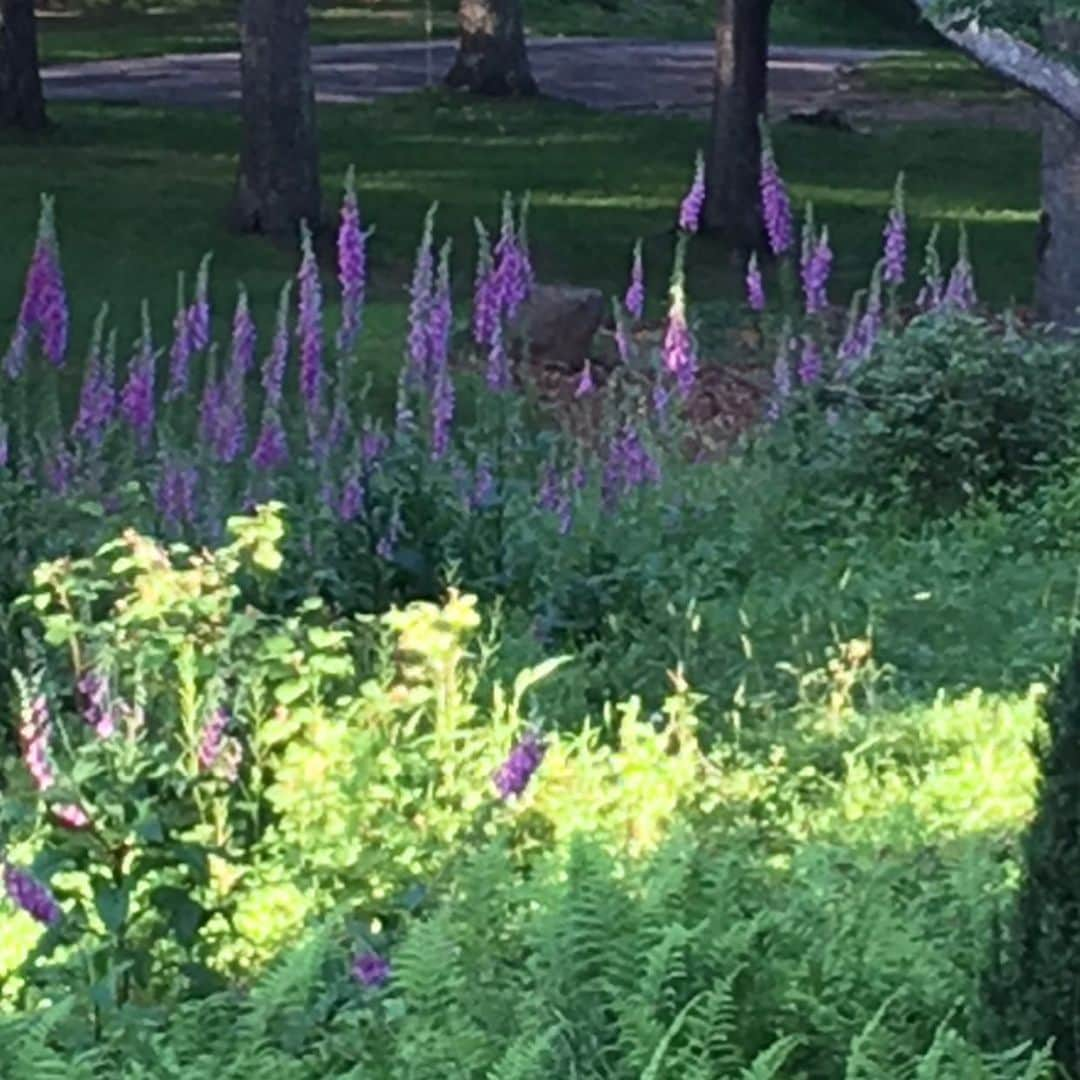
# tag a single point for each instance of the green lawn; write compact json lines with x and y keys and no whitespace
{"x":929,"y":72}
{"x":142,"y":193}
{"x":179,"y":27}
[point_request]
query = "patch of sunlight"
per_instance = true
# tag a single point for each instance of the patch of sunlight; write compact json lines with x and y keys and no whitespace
{"x":984,"y":216}
{"x":880,"y":199}
{"x":603,"y":202}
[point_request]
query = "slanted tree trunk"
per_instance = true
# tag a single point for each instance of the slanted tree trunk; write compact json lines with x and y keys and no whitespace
{"x":1058,"y":284}
{"x":491,"y":57}
{"x":22,"y":104}
{"x":732,"y":199}
{"x":278,"y":182}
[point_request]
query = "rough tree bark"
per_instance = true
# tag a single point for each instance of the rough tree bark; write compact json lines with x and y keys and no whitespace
{"x":491,"y":58}
{"x":732,"y":200}
{"x":22,"y":104}
{"x":1058,"y":284}
{"x":278,"y":182}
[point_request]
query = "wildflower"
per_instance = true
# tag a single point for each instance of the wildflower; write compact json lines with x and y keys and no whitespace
{"x":404,"y":418}
{"x":373,"y":444}
{"x":44,"y":308}
{"x":212,"y":740}
{"x":932,"y":291}
{"x":960,"y":291}
{"x":513,"y":776}
{"x":694,"y":200}
{"x":309,"y":327}
{"x":810,"y":362}
{"x":442,"y":412}
{"x":97,"y":710}
{"x":487,"y":300}
{"x":816,"y":268}
{"x":420,"y":301}
{"x":498,"y":366}
{"x":59,"y":469}
{"x":370,"y":970}
{"x":871,"y":323}
{"x":5,"y":445}
{"x":387,"y":545}
{"x":352,"y":266}
{"x":271,"y":449}
{"x":174,"y":496}
{"x":755,"y":286}
{"x":181,"y":350}
{"x":622,"y":335}
{"x":31,"y":896}
{"x":137,"y":397}
{"x":679,"y":355}
{"x":635,"y":294}
{"x":629,"y":465}
{"x":483,"y":488}
{"x":781,"y":383}
{"x":71,"y":816}
{"x":585,"y":384}
{"x":776,"y":206}
{"x":35,"y":733}
{"x":198,"y":316}
{"x":273,"y":373}
{"x":243,"y":341}
{"x":896,"y":237}
{"x":512,"y":266}
{"x":852,"y":351}
{"x":440,"y":316}
{"x":97,"y":399}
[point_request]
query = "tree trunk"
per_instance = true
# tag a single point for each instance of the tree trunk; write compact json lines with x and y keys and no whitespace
{"x":1058,"y":283}
{"x":732,"y":199}
{"x":22,"y":104}
{"x":278,"y":182}
{"x":491,"y":58}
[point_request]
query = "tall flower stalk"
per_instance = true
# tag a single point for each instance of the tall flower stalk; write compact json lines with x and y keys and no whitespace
{"x":352,"y":266}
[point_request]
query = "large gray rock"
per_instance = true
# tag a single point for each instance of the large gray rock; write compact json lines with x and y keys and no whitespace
{"x":557,"y":324}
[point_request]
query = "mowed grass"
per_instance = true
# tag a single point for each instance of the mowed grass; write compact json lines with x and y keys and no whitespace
{"x":180,"y":27}
{"x":142,"y":193}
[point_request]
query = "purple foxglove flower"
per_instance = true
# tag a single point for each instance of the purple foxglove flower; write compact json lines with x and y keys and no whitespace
{"x":635,"y":293}
{"x":513,"y":776}
{"x":622,"y":336}
{"x":810,"y":362}
{"x":31,"y":896}
{"x":440,"y":316}
{"x":755,"y":286}
{"x":373,"y":445}
{"x":585,"y":384}
{"x":680,"y":358}
{"x":309,"y":329}
{"x":137,"y":397}
{"x":35,"y":734}
{"x":351,"y":503}
{"x":551,"y":486}
{"x":181,"y":350}
{"x":781,"y":384}
{"x":404,"y":417}
{"x":44,"y":309}
{"x":243,"y":342}
{"x":370,"y":970}
{"x":487,"y":301}
{"x":871,"y":323}
{"x":211,"y":405}
{"x":273,"y":373}
{"x":512,"y":266}
{"x":5,"y":445}
{"x":483,"y":486}
{"x":59,"y":467}
{"x":775,"y":204}
{"x":71,"y":816}
{"x":230,"y":429}
{"x":352,"y":266}
{"x":387,"y":545}
{"x":174,"y":496}
{"x":442,"y":412}
{"x":271,"y":448}
{"x":932,"y":294}
{"x":960,"y":291}
{"x":694,"y":200}
{"x":212,"y":739}
{"x":198,"y":316}
{"x":420,"y":301}
{"x":97,"y":400}
{"x":817,"y":263}
{"x":661,"y":398}
{"x":851,"y":352}
{"x":896,"y":237}
{"x":498,"y":366}
{"x":97,"y":709}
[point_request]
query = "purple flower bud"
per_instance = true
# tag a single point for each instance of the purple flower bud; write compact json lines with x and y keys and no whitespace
{"x":5,"y":445}
{"x":960,"y":291}
{"x":97,"y":400}
{"x":137,"y":397}
{"x":781,"y":384}
{"x":370,"y":970}
{"x":896,"y":237}
{"x":243,"y":342}
{"x":694,"y":200}
{"x":440,"y":316}
{"x":352,"y":266}
{"x":932,"y":293}
{"x":816,"y":267}
{"x":442,"y":412}
{"x":680,"y":358}
{"x":585,"y":384}
{"x":309,"y":328}
{"x":513,"y":269}
{"x":483,"y":487}
{"x":373,"y":444}
{"x":755,"y":286}
{"x":351,"y":503}
{"x":198,"y":316}
{"x":212,"y":740}
{"x":59,"y":467}
{"x":635,"y":293}
{"x":31,"y":896}
{"x":71,"y":816}
{"x":513,"y":776}
{"x":387,"y":545}
{"x":487,"y":301}
{"x":97,"y":708}
{"x":174,"y":496}
{"x":180,"y":352}
{"x":775,"y":204}
{"x":498,"y":366}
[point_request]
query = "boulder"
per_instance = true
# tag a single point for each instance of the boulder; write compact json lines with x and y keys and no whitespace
{"x":557,"y":325}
